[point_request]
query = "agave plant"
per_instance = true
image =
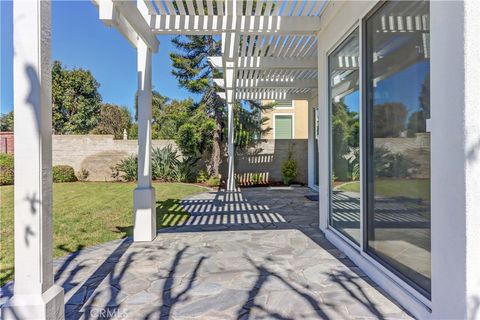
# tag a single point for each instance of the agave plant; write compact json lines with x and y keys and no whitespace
{"x":164,"y":163}
{"x":127,"y":168}
{"x":184,"y":169}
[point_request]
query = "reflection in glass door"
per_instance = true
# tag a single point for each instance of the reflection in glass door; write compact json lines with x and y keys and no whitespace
{"x":397,"y":65}
{"x":344,"y":138}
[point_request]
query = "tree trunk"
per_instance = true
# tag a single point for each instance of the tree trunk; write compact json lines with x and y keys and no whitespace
{"x":216,"y":148}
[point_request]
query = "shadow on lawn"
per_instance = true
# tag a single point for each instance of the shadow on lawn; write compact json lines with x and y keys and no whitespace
{"x":169,"y":214}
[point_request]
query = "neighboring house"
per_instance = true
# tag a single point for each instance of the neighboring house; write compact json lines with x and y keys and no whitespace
{"x":287,"y":120}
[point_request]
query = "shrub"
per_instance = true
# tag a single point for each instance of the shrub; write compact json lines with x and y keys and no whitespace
{"x":289,"y":169}
{"x":213,"y":182}
{"x":183,"y":171}
{"x":64,"y":173}
{"x":202,"y":176}
{"x":83,"y":174}
{"x":164,"y":163}
{"x":127,"y":169}
{"x":188,"y":139}
{"x":6,"y":169}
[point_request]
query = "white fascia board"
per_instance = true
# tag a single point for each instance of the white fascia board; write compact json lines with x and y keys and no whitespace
{"x":213,"y":24}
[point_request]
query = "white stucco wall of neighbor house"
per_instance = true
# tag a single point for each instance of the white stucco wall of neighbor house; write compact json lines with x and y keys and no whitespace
{"x":455,"y":127}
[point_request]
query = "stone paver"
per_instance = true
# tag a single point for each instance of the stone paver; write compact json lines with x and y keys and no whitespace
{"x":254,"y":254}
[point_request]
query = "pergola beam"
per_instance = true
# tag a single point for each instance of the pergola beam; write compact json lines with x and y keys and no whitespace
{"x":217,"y":24}
{"x":269,"y":63}
{"x":273,"y":95}
{"x":268,"y":95}
{"x":258,"y":84}
{"x":125,"y":16}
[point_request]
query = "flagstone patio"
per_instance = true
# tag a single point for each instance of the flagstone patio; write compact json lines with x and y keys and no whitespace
{"x":251,"y":254}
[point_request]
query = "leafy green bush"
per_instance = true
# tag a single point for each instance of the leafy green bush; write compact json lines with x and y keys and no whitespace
{"x":6,"y":169}
{"x":289,"y":169}
{"x":188,"y":139}
{"x":183,"y":171}
{"x":164,"y":163}
{"x":213,"y":182}
{"x":127,"y":169}
{"x":202,"y":176}
{"x":63,"y":173}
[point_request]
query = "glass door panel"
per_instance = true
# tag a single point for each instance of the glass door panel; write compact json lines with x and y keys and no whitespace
{"x":344,"y":138}
{"x":398,"y":146}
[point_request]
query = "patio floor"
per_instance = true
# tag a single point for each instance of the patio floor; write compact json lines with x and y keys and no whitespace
{"x":254,"y":254}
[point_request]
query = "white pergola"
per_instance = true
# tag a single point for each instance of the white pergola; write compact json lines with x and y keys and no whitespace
{"x":270,"y":50}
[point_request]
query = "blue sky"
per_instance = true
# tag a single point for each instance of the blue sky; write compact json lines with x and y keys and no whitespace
{"x":404,"y":86}
{"x":80,"y":39}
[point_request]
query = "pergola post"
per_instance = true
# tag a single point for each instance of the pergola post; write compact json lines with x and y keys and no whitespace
{"x":35,"y":294}
{"x":231,"y":149}
{"x":144,"y":195}
{"x":229,"y":53}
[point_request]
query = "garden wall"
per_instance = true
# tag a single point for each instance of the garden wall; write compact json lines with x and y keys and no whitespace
{"x":265,"y":158}
{"x":96,"y":153}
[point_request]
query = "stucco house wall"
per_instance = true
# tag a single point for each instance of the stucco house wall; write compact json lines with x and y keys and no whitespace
{"x":299,"y":111}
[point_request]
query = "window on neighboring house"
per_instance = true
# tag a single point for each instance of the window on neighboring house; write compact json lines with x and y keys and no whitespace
{"x":283,"y":104}
{"x":283,"y":127}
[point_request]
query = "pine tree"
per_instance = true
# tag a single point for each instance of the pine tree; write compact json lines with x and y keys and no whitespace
{"x":195,"y":74}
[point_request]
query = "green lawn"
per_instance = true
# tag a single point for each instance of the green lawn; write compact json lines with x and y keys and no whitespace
{"x":89,"y":213}
{"x":409,"y":188}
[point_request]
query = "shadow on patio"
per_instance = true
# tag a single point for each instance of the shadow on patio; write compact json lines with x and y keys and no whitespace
{"x":246,"y":255}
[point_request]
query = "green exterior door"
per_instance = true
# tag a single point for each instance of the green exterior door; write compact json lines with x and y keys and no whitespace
{"x":283,"y":127}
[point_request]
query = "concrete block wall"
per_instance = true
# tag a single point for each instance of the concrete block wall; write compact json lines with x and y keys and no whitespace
{"x":95,"y":153}
{"x":99,"y":153}
{"x":266,"y":158}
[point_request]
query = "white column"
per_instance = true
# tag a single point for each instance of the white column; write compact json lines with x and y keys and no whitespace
{"x":35,"y":295}
{"x":323,"y":139}
{"x":144,"y":195}
{"x":455,"y":160}
{"x":230,"y":42}
{"x":312,"y":104}
{"x":231,"y":149}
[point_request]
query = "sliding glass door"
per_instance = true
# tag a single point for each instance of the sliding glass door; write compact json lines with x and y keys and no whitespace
{"x":344,"y":138}
{"x":395,"y":149}
{"x":397,"y":65}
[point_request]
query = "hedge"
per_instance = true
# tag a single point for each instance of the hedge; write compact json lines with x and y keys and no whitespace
{"x":63,"y":173}
{"x":6,"y":169}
